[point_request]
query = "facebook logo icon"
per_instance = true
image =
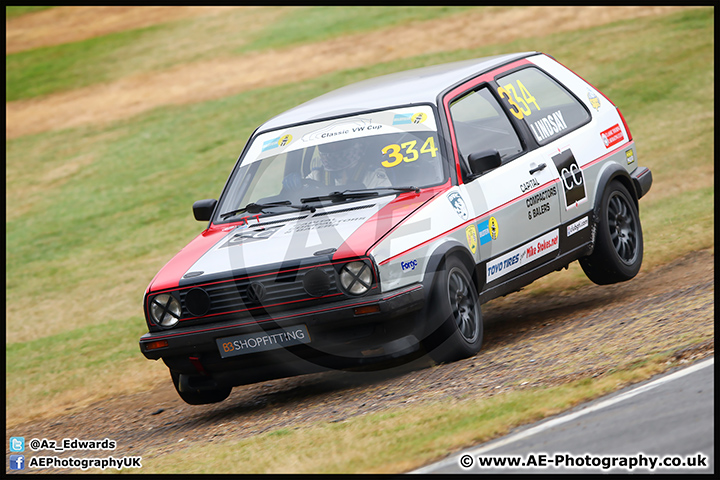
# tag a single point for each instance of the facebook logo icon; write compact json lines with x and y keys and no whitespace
{"x":17,"y":444}
{"x":17,"y":462}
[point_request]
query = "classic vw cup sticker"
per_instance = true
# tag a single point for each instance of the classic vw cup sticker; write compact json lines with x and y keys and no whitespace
{"x":458,"y":204}
{"x":572,"y":178}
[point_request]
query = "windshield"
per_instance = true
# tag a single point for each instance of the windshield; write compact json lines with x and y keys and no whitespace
{"x":384,"y":151}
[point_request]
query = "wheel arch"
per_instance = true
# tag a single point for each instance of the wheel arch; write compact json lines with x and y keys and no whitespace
{"x":612,"y":172}
{"x":441,"y":253}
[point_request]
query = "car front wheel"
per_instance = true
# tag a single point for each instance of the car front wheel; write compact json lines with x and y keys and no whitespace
{"x":200,"y":397}
{"x":618,"y":251}
{"x":454,"y":300}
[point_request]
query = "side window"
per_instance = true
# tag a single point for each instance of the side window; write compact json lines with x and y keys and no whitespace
{"x":481,"y":124}
{"x":547,"y":108}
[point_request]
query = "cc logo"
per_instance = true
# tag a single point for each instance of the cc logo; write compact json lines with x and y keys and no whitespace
{"x":572,"y":176}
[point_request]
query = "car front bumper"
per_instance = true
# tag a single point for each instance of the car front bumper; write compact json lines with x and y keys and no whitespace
{"x":352,"y":332}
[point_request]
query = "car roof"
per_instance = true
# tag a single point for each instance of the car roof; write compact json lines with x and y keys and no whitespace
{"x":421,"y":85}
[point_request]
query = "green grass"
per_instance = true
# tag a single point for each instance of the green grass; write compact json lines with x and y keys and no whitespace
{"x":47,"y":70}
{"x":12,"y":12}
{"x":93,"y":213}
{"x":313,"y":24}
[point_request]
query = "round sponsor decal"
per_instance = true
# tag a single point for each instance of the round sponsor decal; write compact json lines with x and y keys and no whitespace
{"x":419,"y":118}
{"x":284,"y":140}
{"x":494,"y":229}
{"x":472,"y":237}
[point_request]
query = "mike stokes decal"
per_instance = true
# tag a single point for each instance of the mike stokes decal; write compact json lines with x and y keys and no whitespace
{"x":515,"y":259}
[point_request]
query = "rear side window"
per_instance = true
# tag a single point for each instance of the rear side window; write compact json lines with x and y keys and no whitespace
{"x":545,"y":106}
{"x":481,"y":124}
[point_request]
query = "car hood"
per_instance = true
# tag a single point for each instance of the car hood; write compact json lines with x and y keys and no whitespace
{"x":341,"y":231}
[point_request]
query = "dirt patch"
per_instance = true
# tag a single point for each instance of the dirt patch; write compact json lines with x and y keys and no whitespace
{"x":72,"y":24}
{"x":203,"y":81}
{"x":529,"y":342}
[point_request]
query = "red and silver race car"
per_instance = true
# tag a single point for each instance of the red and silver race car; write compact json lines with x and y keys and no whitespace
{"x":372,"y":222}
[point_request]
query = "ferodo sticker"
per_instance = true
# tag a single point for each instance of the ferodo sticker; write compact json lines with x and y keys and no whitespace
{"x":612,"y":136}
{"x":529,"y":252}
{"x":572,"y":178}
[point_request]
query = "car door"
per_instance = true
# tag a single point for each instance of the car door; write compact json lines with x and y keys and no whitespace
{"x":516,"y":205}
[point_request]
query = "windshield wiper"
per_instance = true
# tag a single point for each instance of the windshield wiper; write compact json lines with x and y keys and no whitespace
{"x":260,"y":208}
{"x":337,"y":197}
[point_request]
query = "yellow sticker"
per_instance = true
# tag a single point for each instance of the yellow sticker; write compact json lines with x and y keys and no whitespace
{"x":493,"y":227}
{"x":284,"y":140}
{"x":594,"y":100}
{"x":419,"y":118}
{"x":630,"y":156}
{"x":472,"y":238}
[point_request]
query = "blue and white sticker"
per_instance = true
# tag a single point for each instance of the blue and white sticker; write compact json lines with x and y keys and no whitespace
{"x":458,"y":204}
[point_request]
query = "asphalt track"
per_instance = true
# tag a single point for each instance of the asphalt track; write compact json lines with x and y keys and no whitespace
{"x":671,"y":415}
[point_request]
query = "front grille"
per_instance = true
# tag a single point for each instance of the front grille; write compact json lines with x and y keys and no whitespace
{"x":271,"y":292}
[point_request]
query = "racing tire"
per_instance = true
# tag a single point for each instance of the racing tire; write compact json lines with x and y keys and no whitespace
{"x":454,"y":300}
{"x":200,"y":397}
{"x":618,"y":252}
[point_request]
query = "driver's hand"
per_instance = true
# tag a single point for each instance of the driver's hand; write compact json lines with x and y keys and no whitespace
{"x":292,"y":181}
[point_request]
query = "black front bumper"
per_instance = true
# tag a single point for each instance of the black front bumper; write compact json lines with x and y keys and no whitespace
{"x":342,"y":336}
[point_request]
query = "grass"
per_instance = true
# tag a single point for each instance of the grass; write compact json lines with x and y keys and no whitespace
{"x":48,"y":70}
{"x":93,"y":213}
{"x":12,"y":12}
{"x":396,"y":440}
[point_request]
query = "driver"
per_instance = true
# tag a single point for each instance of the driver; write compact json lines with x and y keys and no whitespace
{"x":342,"y":164}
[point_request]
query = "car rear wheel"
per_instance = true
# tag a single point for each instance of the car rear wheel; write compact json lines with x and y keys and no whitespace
{"x":618,"y":251}
{"x":454,"y":299}
{"x":199,"y":396}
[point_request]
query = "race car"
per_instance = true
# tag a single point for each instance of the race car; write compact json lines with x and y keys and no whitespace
{"x":369,"y":224}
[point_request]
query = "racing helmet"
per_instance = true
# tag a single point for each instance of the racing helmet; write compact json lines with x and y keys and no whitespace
{"x":340,"y":156}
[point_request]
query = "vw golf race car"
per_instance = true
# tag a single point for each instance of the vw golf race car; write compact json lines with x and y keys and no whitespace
{"x":373,"y":221}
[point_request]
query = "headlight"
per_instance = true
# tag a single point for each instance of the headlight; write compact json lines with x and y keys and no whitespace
{"x":165,"y":310}
{"x":356,"y":278}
